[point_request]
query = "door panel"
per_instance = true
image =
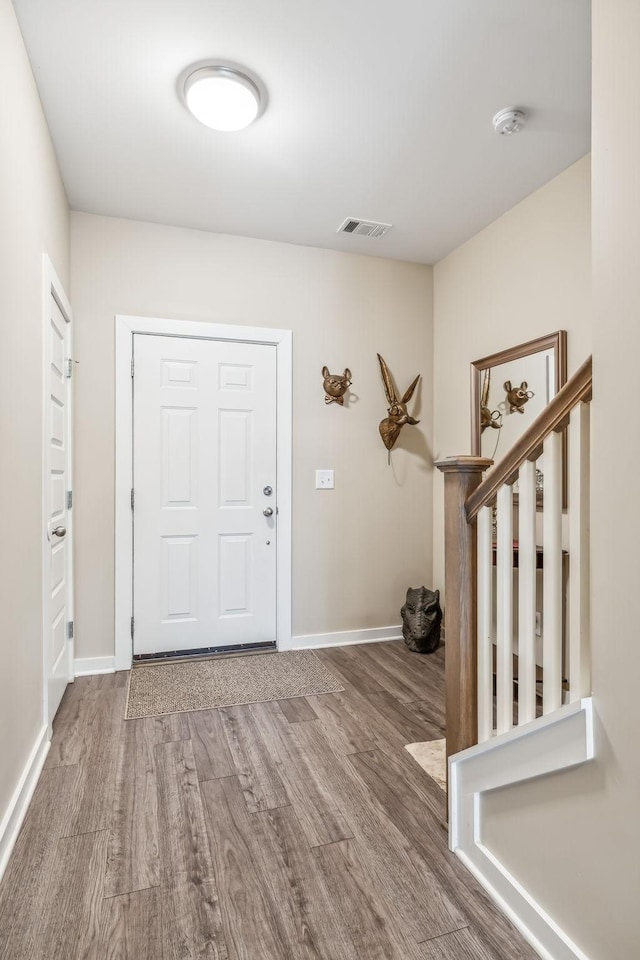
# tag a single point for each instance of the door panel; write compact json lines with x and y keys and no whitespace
{"x":204,"y":449}
{"x":58,"y":647}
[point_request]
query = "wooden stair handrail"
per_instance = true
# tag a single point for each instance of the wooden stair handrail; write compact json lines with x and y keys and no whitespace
{"x":554,"y":417}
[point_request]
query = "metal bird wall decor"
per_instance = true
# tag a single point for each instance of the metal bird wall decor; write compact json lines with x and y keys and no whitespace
{"x":391,"y":426}
{"x":488,"y":417}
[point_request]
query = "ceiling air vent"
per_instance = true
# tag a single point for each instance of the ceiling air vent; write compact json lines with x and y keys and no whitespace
{"x":364,"y":228}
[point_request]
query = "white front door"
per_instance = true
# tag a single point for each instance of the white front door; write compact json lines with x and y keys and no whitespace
{"x":58,"y":646}
{"x":204,"y":479}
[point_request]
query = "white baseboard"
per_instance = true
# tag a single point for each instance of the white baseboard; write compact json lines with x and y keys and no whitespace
{"x":309,"y":641}
{"x":86,"y":666}
{"x":556,"y":742}
{"x":19,"y":803}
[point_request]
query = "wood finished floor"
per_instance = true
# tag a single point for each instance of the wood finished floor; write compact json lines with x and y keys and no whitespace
{"x":293,"y":830}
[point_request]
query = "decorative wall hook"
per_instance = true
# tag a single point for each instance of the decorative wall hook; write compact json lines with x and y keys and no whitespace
{"x":335,"y":386}
{"x":391,"y":426}
{"x":517,"y":396}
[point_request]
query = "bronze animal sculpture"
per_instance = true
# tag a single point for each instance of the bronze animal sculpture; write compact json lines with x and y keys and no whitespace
{"x":335,"y":386}
{"x":422,"y":619}
{"x":517,"y":396}
{"x":391,"y":426}
{"x":488,"y":417}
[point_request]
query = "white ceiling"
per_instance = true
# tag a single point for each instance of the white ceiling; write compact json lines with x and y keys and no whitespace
{"x":378,"y":109}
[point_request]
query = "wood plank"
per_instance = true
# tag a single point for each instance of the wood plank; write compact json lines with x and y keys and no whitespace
{"x":91,"y":806}
{"x":452,"y":881}
{"x":171,"y":726}
{"x":430,"y":713}
{"x":341,"y":726}
{"x":429,"y":664}
{"x":71,"y":922}
{"x":422,"y":906}
{"x":384,"y":720}
{"x":131,"y":927}
{"x":364,"y":908}
{"x":79,"y":693}
{"x":25,"y":886}
{"x":408,"y":726}
{"x":414,"y":776}
{"x":255,"y":765}
{"x":133,"y":862}
{"x":309,"y":769}
{"x":210,"y":747}
{"x":249,"y":922}
{"x":430,"y":670}
{"x":306,"y":914}
{"x":297,"y":709}
{"x":76,"y":724}
{"x":461,"y":945}
{"x":349,"y":669}
{"x":391,"y":673}
{"x":191,"y":920}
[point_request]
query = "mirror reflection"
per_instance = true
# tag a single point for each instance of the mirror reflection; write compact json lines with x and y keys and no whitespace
{"x":511,"y":397}
{"x":509,"y":390}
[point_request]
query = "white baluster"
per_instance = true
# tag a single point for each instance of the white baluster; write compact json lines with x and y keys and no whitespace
{"x":552,"y":576}
{"x":579,"y":504}
{"x":527,"y":592}
{"x":504,"y":611}
{"x":485,"y":626}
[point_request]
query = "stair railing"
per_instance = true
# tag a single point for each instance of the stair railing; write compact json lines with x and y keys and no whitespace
{"x":493,"y":682}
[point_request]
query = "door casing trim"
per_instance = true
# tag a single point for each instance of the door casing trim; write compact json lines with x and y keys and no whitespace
{"x":125,"y":328}
{"x":52,"y":287}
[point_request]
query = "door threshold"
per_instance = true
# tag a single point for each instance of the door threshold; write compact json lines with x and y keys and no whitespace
{"x":205,"y":653}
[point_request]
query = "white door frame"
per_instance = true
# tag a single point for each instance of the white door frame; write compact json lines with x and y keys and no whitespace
{"x":52,"y":287}
{"x":125,"y":328}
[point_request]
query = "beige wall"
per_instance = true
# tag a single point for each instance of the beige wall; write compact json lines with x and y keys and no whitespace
{"x":35,"y":219}
{"x":525,"y":275}
{"x":574,"y":839}
{"x":356,"y":549}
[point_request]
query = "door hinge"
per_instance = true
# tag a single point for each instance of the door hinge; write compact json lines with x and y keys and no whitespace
{"x":70,"y":630}
{"x":132,"y":626}
{"x":132,"y":366}
{"x":133,"y":498}
{"x":69,"y":499}
{"x":69,"y":368}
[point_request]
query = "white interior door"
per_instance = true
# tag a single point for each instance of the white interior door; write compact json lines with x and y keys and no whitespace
{"x":57,"y":561}
{"x":204,"y":473}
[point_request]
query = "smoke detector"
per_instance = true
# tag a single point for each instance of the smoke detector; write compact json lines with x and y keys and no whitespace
{"x":364,"y":228}
{"x":508,"y":121}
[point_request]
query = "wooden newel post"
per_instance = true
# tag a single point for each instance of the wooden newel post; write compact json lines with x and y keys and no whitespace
{"x":461,"y":477}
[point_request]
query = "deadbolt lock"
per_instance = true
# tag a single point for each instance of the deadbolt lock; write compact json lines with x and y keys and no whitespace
{"x":268,"y":491}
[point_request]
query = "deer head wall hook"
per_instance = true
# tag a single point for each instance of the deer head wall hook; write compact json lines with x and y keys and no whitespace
{"x":391,"y":426}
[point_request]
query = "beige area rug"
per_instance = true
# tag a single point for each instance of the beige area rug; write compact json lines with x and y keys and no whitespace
{"x":432,"y":757}
{"x":160,"y":688}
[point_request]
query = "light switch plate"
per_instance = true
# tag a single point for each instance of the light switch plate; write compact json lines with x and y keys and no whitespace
{"x":324,"y":480}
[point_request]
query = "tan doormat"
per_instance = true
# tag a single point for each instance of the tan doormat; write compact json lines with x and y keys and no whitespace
{"x":432,"y":757}
{"x":160,"y":688}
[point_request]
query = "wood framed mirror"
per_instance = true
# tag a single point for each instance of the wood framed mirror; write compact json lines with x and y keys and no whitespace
{"x":534,"y":371}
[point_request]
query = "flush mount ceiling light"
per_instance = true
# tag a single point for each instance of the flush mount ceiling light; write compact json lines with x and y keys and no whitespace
{"x":222,"y":98}
{"x":508,"y":121}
